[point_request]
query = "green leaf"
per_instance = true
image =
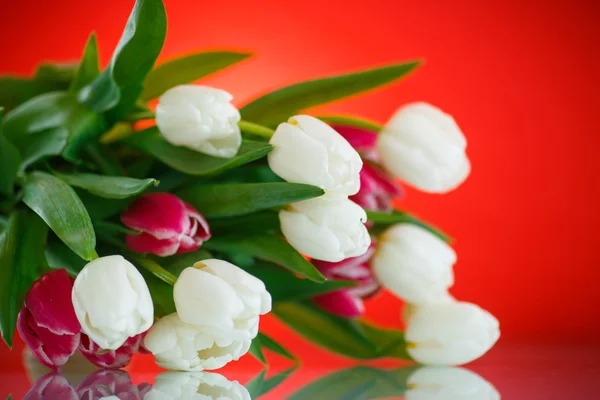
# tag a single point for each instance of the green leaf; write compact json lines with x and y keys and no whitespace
{"x":385,"y":219}
{"x":21,"y":261}
{"x":256,"y":350}
{"x":187,"y":69}
{"x":100,"y":208}
{"x":228,"y":200}
{"x":191,"y":162}
{"x":284,"y":286}
{"x":281,"y":104}
{"x":254,"y":387}
{"x":260,"y":386}
{"x":118,"y":87}
{"x":354,"y":122}
{"x":267,"y":247}
{"x":58,"y":205}
{"x":109,"y":187}
{"x":259,"y":222}
{"x":152,"y":266}
{"x":88,"y":68}
{"x":44,"y":144}
{"x":10,"y":160}
{"x":60,"y":256}
{"x":275,"y":347}
{"x":161,"y":292}
{"x":177,"y":263}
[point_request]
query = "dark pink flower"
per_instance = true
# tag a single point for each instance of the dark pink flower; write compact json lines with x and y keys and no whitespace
{"x":118,"y":358}
{"x":52,"y":386}
{"x":348,"y":302}
{"x":362,"y":140}
{"x":47,"y":322}
{"x":377,"y":189}
{"x":105,"y":383}
{"x":167,"y":224}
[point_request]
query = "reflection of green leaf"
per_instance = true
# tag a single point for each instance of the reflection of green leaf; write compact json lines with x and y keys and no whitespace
{"x":256,"y":350}
{"x":275,"y":347}
{"x":381,"y":220}
{"x":260,"y":386}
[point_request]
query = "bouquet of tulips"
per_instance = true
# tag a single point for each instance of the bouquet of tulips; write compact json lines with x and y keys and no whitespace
{"x":170,"y":226}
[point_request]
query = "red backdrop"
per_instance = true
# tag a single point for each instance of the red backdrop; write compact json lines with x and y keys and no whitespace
{"x":520,"y":77}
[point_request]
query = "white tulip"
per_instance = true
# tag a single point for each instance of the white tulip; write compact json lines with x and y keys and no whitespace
{"x":195,"y":386}
{"x":307,"y":150}
{"x":414,"y":264}
{"x":200,"y":118}
{"x":445,"y":383}
{"x":180,"y":346}
{"x":424,"y":146}
{"x":328,"y":228}
{"x":112,"y":301}
{"x":221,"y":299}
{"x":450,"y":333}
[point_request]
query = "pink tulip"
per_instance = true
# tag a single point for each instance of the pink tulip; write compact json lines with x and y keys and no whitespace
{"x":110,"y":358}
{"x":167,"y":224}
{"x":362,"y":140}
{"x":348,"y":302}
{"x":47,"y":321}
{"x":104,"y":383}
{"x":377,"y":189}
{"x":51,"y":386}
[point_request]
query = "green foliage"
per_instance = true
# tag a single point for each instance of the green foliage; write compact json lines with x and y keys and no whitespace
{"x":9,"y":161}
{"x":21,"y":261}
{"x":260,"y":386}
{"x":109,"y":187}
{"x":384,"y":219}
{"x":354,"y":122}
{"x":88,"y":68}
{"x":60,"y":256}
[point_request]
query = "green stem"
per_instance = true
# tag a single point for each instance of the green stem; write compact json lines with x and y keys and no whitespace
{"x":354,"y":122}
{"x":153,"y":267}
{"x":253,"y":129}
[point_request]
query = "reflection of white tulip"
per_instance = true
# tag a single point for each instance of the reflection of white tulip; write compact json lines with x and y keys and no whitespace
{"x":200,"y":118}
{"x":221,"y":299}
{"x":112,"y":301}
{"x":307,"y":150}
{"x":414,"y":264}
{"x":409,"y":309}
{"x":450,"y":333}
{"x":449,"y":384}
{"x":195,"y":386}
{"x":179,"y":346}
{"x":423,"y":146}
{"x":328,"y":228}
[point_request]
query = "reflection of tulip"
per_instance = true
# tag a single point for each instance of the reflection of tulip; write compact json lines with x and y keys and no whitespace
{"x":118,"y":358}
{"x":112,"y":301}
{"x":450,"y":333}
{"x":51,"y":386}
{"x":328,"y":228}
{"x":377,"y":189}
{"x":307,"y":150}
{"x":221,"y":299}
{"x":195,"y":385}
{"x":167,"y":224}
{"x":103,"y":384}
{"x":449,"y":384}
{"x":47,"y":322}
{"x":200,"y":118}
{"x":348,"y":302}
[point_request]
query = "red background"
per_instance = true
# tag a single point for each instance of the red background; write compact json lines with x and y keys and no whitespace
{"x":520,"y":77}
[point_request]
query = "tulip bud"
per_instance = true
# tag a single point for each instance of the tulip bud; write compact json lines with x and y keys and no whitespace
{"x":414,"y":264}
{"x":361,"y":139}
{"x":47,"y":321}
{"x":221,"y":299}
{"x":112,"y":301}
{"x":424,"y":147}
{"x":307,"y":150}
{"x":180,"y":346}
{"x":108,"y":384}
{"x":200,"y":118}
{"x":348,"y":302}
{"x":449,"y":384}
{"x":450,"y":333}
{"x":51,"y":386}
{"x":195,"y":385}
{"x":328,"y":228}
{"x":167,"y":224}
{"x":118,"y":358}
{"x":377,"y":190}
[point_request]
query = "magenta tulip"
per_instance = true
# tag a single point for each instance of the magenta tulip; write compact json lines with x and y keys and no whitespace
{"x":110,"y":358}
{"x":167,"y":225}
{"x":52,"y":386}
{"x":105,"y":383}
{"x":47,"y":321}
{"x":377,"y":189}
{"x":348,"y":302}
{"x":362,"y":140}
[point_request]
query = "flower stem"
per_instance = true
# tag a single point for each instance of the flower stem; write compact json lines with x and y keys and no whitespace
{"x":253,"y":129}
{"x":353,"y":122}
{"x":153,"y":267}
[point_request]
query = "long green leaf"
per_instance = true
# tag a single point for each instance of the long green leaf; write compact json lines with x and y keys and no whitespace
{"x":228,"y":200}
{"x":384,"y":219}
{"x":44,"y":144}
{"x":118,"y":87}
{"x":267,"y":247}
{"x":187,"y":69}
{"x":21,"y":261}
{"x":109,"y":187}
{"x":259,"y":222}
{"x":57,"y":203}
{"x":281,"y":104}
{"x":88,"y":67}
{"x":275,"y":347}
{"x":354,"y":122}
{"x":191,"y":162}
{"x":256,"y":350}
{"x":10,"y":160}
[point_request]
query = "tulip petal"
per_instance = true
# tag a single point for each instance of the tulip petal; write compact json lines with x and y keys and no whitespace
{"x":199,"y":229}
{"x":51,"y":386}
{"x":341,"y":303}
{"x":146,"y":243}
{"x":162,"y":215}
{"x":358,"y":138}
{"x":112,"y":359}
